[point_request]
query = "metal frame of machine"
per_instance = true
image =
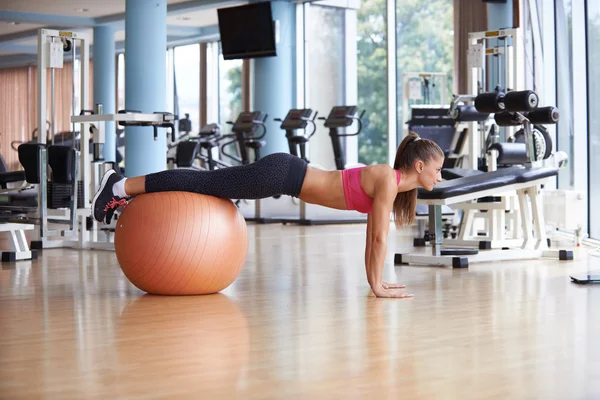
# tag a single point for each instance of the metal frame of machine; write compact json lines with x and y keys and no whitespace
{"x":494,"y":215}
{"x":406,"y":77}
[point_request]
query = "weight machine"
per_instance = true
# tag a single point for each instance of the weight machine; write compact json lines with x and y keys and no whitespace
{"x":478,"y":51}
{"x":523,"y":181}
{"x":95,"y":121}
{"x":58,"y":224}
{"x":503,"y":108}
{"x":75,"y":170}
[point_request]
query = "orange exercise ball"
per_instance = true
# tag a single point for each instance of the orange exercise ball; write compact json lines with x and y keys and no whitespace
{"x":181,"y":243}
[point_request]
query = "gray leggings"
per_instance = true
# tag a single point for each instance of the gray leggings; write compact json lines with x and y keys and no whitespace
{"x":272,"y":175}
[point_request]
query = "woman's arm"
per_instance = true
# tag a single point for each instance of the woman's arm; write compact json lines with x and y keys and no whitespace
{"x":368,"y":244}
{"x":378,"y":225}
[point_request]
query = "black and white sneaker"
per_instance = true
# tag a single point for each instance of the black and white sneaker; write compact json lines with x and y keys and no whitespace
{"x":105,"y":202}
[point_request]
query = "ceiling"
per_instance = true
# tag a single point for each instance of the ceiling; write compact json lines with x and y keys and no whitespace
{"x":14,"y":27}
{"x":187,"y":20}
{"x":70,"y":8}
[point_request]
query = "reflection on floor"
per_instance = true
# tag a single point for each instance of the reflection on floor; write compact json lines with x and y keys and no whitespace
{"x":300,"y":322}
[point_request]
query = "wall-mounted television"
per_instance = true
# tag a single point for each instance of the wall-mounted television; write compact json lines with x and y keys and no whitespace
{"x":247,"y":31}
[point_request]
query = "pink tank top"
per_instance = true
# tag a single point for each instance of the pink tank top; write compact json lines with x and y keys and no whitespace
{"x":356,"y":197}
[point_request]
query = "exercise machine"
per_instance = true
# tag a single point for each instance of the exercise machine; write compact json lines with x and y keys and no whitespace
{"x":18,"y":200}
{"x":493,"y":222}
{"x":295,"y":121}
{"x":243,"y":138}
{"x":245,"y":130}
{"x":526,"y":180}
{"x":341,"y":117}
{"x":433,"y":122}
{"x":59,"y":216}
{"x":96,"y":120}
{"x":209,"y":139}
{"x":184,"y":128}
{"x":207,"y":149}
{"x":247,"y":139}
{"x":62,"y":215}
{"x":286,"y":208}
{"x":202,"y":149}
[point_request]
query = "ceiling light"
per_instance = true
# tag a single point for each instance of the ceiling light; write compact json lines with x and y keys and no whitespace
{"x":183,"y":18}
{"x":82,"y":10}
{"x":14,"y":23}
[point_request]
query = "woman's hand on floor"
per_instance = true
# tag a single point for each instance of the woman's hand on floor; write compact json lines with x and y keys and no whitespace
{"x":383,"y":292}
{"x":386,"y":285}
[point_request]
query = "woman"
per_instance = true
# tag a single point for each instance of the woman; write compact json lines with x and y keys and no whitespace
{"x":376,"y":190}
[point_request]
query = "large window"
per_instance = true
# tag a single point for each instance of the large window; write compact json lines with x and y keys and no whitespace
{"x":230,"y":90}
{"x":564,"y":88}
{"x":325,"y":73}
{"x":121,"y":82}
{"x":212,"y":82}
{"x":187,"y":83}
{"x":593,"y":49}
{"x":425,"y":43}
{"x":372,"y":81}
{"x":170,"y":74}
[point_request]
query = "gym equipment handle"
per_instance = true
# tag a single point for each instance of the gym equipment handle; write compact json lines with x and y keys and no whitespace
{"x":263,"y":125}
{"x":312,"y":121}
{"x":228,"y":136}
{"x":359,"y":120}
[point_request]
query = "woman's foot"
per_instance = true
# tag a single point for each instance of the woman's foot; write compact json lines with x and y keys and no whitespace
{"x":105,"y":202}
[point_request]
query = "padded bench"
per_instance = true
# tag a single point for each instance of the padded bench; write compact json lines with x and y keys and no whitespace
{"x":526,"y":181}
{"x":485,"y":181}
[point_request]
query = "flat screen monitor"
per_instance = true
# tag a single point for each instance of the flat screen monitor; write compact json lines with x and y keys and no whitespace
{"x":247,"y":31}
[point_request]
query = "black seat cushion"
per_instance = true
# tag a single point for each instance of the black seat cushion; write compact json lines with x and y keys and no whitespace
{"x":186,"y":153}
{"x":455,"y":173}
{"x":29,"y":154}
{"x":485,"y":181}
{"x":62,"y":161}
{"x":10,"y":177}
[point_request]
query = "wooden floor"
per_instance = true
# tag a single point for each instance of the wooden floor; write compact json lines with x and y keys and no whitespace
{"x":300,"y":323}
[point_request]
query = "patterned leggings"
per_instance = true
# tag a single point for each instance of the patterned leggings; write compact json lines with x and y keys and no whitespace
{"x":272,"y":175}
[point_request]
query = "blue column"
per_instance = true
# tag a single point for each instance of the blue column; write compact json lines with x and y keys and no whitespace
{"x":274,"y":77}
{"x":104,"y":83}
{"x":145,"y":82}
{"x":500,"y":16}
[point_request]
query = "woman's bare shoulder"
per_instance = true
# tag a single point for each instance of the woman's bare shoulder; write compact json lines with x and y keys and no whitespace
{"x":380,"y":176}
{"x":381,"y":171}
